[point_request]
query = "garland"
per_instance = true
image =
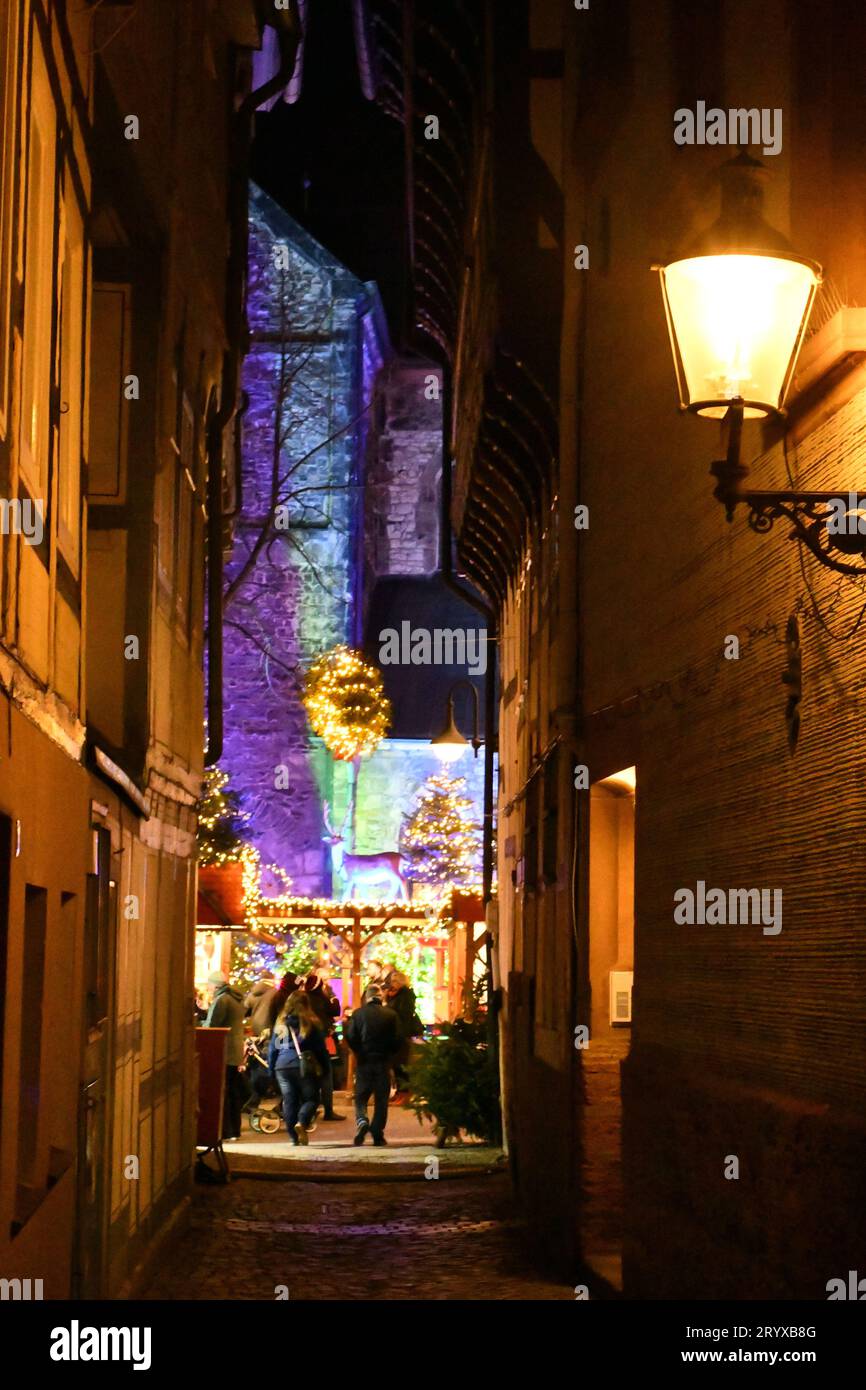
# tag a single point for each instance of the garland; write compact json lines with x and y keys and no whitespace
{"x":346,"y":704}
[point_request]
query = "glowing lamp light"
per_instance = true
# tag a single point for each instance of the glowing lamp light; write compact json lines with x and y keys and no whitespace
{"x":449,"y":745}
{"x":737,"y":305}
{"x":736,"y":323}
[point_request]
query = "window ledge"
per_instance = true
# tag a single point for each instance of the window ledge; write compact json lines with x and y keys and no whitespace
{"x":840,"y":343}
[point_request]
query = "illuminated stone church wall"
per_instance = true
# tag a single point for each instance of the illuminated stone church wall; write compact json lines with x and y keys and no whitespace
{"x":361,"y":455}
{"x":321,"y":329}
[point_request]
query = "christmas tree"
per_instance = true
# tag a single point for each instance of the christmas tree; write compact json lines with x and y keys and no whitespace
{"x":273,"y":953}
{"x":439,"y":841}
{"x":221,"y":822}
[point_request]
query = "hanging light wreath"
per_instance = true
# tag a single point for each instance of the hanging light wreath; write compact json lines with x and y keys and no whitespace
{"x":346,"y":705}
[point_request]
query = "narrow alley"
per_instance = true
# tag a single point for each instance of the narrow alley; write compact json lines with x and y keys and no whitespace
{"x":432,"y":618}
{"x":455,"y":1238}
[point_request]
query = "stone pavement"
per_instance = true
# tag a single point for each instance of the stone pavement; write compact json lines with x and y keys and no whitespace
{"x":410,"y":1145}
{"x":601,"y":1221}
{"x":355,"y":1241}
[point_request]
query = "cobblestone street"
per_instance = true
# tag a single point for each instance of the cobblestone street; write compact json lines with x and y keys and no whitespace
{"x":452,"y":1238}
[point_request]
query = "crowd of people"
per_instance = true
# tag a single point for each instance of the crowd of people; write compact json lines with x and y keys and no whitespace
{"x":282,"y":1036}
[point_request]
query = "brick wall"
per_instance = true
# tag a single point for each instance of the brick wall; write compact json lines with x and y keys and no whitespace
{"x":743,"y":1044}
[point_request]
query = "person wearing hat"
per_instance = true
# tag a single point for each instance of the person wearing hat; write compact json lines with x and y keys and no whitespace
{"x":227,"y":1011}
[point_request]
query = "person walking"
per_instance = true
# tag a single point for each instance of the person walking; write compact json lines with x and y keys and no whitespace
{"x":326,"y":1007}
{"x":227,"y":1011}
{"x":288,"y":984}
{"x":373,"y":1035}
{"x":297,"y":1059}
{"x":400,"y":995}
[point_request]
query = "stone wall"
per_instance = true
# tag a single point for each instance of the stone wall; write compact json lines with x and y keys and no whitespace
{"x":315,"y":330}
{"x":402,"y":532}
{"x":361,"y":455}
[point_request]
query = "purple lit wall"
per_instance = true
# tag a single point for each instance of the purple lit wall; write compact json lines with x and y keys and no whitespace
{"x":318,"y":342}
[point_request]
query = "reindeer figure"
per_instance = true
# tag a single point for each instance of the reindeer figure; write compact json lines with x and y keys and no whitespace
{"x":359,"y":870}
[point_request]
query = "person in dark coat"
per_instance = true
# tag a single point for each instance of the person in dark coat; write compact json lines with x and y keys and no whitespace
{"x":288,"y":984}
{"x":401,"y":997}
{"x":326,"y":1007}
{"x":227,"y":1011}
{"x":373,"y":1035}
{"x":257,"y":1004}
{"x":296,"y":1035}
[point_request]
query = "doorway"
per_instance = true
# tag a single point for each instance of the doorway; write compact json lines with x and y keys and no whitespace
{"x":611,"y":978}
{"x":99,"y":918}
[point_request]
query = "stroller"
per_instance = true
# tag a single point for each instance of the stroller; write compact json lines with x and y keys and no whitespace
{"x":263,"y":1106}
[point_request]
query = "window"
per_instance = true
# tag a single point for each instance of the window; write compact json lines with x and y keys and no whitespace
{"x":5,"y":868}
{"x":530,"y":838}
{"x":97,"y":919}
{"x":30,"y":1056}
{"x":612,"y":41}
{"x":8,"y":164}
{"x":167,"y":496}
{"x":698,"y":56}
{"x":185,"y":511}
{"x":72,"y":271}
{"x":176,"y":515}
{"x":38,"y":282}
{"x":550,"y":828}
{"x":109,"y":364}
{"x":165,"y":525}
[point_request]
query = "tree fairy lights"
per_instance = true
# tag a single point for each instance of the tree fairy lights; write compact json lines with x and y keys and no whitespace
{"x":221,"y":821}
{"x":439,"y":841}
{"x":346,"y":704}
{"x":257,"y":953}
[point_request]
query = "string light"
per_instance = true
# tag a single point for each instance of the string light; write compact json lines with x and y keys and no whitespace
{"x":221,"y":822}
{"x":439,"y":841}
{"x":272,"y":941}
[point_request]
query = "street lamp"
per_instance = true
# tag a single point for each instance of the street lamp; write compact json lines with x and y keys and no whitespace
{"x":449,"y":745}
{"x":737,"y":307}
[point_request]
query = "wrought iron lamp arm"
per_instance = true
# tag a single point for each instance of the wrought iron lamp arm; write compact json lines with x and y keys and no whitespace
{"x":807,"y":512}
{"x":476,"y":739}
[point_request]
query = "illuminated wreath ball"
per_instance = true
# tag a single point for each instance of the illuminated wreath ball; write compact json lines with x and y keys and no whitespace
{"x":345,"y":703}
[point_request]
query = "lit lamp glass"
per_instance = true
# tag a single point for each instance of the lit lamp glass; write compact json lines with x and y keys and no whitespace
{"x":737,"y":303}
{"x":450,"y":744}
{"x":736,"y":322}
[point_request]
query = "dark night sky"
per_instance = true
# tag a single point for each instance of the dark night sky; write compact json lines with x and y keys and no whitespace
{"x":350,"y":155}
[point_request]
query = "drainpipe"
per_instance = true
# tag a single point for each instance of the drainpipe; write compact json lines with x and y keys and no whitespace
{"x":238,"y":500}
{"x":446,"y":565}
{"x":289,"y":34}
{"x":214,"y":749}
